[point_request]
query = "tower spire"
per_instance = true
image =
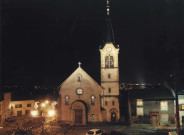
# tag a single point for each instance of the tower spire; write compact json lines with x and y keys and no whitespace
{"x":109,"y":30}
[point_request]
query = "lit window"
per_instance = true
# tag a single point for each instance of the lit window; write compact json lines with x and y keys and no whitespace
{"x":140,"y":111}
{"x":92,"y":100}
{"x":109,"y":61}
{"x":182,"y":107}
{"x":164,"y":118}
{"x":139,"y":108}
{"x":164,"y":106}
{"x":139,"y":102}
{"x":109,"y":90}
{"x":66,"y":100}
{"x":79,"y":91}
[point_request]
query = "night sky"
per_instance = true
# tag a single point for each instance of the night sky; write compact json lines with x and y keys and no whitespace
{"x":43,"y":40}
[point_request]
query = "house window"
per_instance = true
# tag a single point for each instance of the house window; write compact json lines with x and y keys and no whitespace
{"x":66,"y":100}
{"x":105,"y":102}
{"x":140,"y":111}
{"x":109,"y":61}
{"x":182,"y":107}
{"x":139,"y":107}
{"x":109,"y":90}
{"x":164,"y":106}
{"x":79,"y":78}
{"x":164,"y":118}
{"x":19,"y":113}
{"x":139,"y":102}
{"x":27,"y":112}
{"x":18,"y":106}
{"x":28,"y":105}
{"x":92,"y":100}
{"x":112,"y":102}
{"x":109,"y":76}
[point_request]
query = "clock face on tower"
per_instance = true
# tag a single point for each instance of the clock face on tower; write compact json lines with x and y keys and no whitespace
{"x":109,"y":49}
{"x":79,"y":91}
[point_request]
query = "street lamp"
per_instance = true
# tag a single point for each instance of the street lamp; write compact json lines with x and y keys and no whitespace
{"x":51,"y":113}
{"x":34,"y":113}
{"x":46,"y":101}
{"x":43,"y":104}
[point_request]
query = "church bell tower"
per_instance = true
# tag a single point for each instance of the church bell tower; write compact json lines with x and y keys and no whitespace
{"x":110,"y":74}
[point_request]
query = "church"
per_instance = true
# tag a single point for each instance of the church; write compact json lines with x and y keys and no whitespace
{"x":81,"y":99}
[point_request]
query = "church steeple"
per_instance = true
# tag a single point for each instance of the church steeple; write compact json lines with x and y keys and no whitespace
{"x":109,"y":30}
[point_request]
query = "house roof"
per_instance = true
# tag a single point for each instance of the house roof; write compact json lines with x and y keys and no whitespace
{"x":154,"y":93}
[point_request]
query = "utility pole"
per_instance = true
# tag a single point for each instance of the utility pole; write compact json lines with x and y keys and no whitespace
{"x":177,"y":105}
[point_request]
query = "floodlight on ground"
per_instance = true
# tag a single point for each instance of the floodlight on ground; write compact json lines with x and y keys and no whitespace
{"x":43,"y":104}
{"x":46,"y":101}
{"x":34,"y":113}
{"x":51,"y":113}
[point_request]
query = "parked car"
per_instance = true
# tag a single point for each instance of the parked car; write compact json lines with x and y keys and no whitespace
{"x":95,"y":132}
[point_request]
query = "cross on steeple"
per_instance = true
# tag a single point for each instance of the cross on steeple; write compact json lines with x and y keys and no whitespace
{"x":108,"y":7}
{"x":79,"y":64}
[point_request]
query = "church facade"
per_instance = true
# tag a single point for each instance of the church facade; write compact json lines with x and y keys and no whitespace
{"x":82,"y":100}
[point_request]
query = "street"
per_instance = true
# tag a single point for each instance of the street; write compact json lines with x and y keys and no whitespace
{"x":124,"y":130}
{"x":144,"y":129}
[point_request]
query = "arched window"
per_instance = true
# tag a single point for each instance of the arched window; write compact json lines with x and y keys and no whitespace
{"x":79,"y":78}
{"x":66,"y":100}
{"x":92,"y":100}
{"x":109,"y":61}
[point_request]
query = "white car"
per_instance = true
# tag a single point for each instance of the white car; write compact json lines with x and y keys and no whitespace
{"x":94,"y":132}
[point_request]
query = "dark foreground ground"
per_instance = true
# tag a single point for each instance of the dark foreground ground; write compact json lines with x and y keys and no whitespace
{"x":119,"y":129}
{"x":111,"y":129}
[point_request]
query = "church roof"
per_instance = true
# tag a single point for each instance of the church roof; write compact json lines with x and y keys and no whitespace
{"x":109,"y":34}
{"x":109,"y":31}
{"x":81,"y":70}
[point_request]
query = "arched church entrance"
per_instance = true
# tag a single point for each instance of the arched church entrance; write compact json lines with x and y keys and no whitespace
{"x":79,"y":113}
{"x":113,"y":117}
{"x":113,"y":112}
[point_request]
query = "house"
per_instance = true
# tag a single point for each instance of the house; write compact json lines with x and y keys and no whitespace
{"x":151,"y":105}
{"x":23,"y":107}
{"x":181,"y":106}
{"x":5,"y":107}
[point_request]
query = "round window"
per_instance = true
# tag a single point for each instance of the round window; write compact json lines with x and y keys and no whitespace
{"x":79,"y":91}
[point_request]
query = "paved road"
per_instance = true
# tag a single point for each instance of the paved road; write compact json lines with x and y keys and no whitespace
{"x":124,"y":130}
